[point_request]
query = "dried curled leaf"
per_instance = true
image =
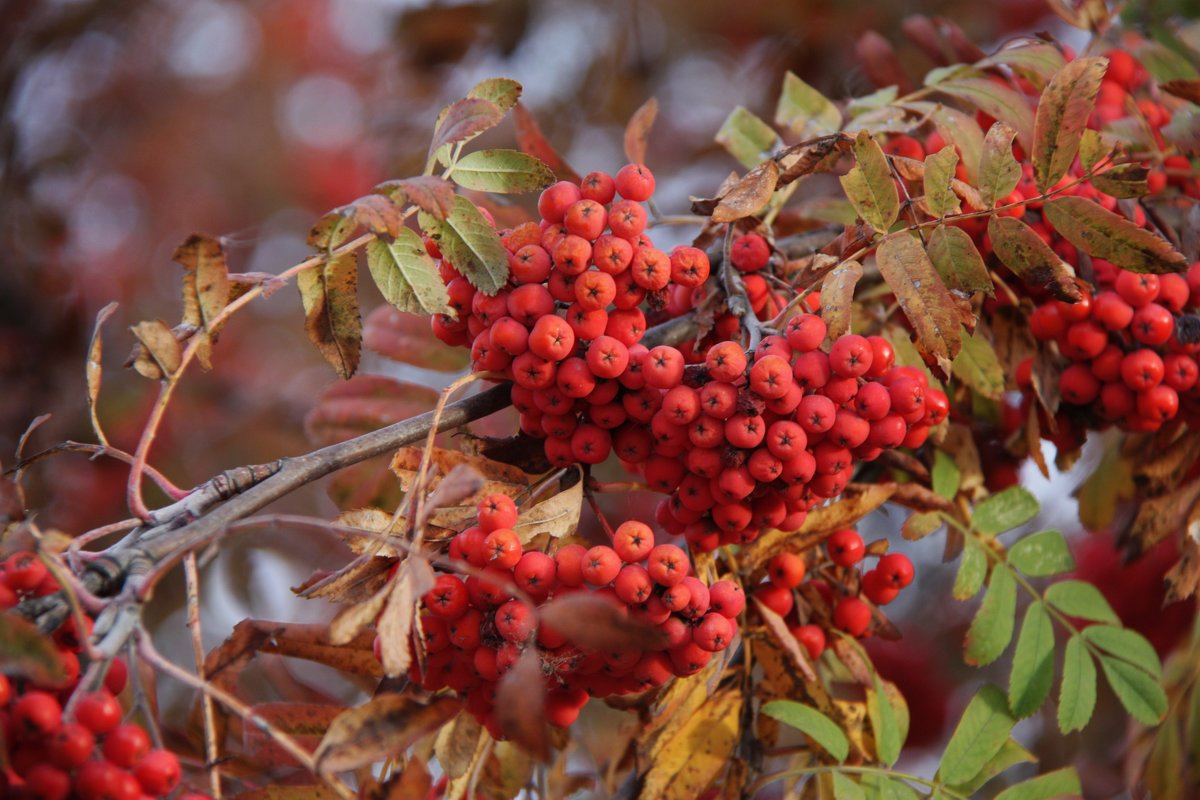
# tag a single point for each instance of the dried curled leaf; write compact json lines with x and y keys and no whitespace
{"x":638,"y":129}
{"x":698,"y":751}
{"x":383,"y":727}
{"x":408,"y":339}
{"x":787,"y":642}
{"x":749,"y":195}
{"x":521,"y":703}
{"x":329,"y":293}
{"x":837,"y":297}
{"x":429,"y":193}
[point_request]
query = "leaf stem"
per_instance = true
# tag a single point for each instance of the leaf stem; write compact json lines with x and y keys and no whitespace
{"x":768,"y":779}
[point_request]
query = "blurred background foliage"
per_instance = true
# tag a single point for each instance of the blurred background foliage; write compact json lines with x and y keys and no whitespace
{"x":128,"y":124}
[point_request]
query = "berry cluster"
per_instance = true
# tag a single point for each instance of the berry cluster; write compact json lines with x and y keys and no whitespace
{"x":850,"y":613}
{"x":88,"y":753}
{"x":751,"y":441}
{"x":474,"y":630}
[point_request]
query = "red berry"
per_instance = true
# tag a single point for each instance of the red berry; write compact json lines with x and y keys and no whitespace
{"x":71,"y":746}
{"x":497,"y":511}
{"x":812,"y":637}
{"x":750,"y":253}
{"x":126,"y":745}
{"x":36,"y":715}
{"x":851,"y":356}
{"x":635,"y":182}
{"x":447,"y":599}
{"x":633,"y":541}
{"x":601,"y":565}
{"x":667,"y":564}
{"x":896,"y":568}
{"x":786,"y":570}
{"x":158,"y":772}
{"x":713,"y":633}
{"x":852,"y":615}
{"x":726,"y":598}
{"x":845,"y":547}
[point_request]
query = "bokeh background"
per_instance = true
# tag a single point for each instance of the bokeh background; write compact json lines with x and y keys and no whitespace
{"x":126,"y":125}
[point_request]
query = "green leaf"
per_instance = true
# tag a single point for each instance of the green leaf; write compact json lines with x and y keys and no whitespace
{"x":1077,"y":692}
{"x":981,"y":732}
{"x":1062,"y":115}
{"x":1125,"y":181}
{"x":804,"y":111}
{"x":1034,"y":60}
{"x":1032,"y":672}
{"x":811,"y":722}
{"x":945,"y":475}
{"x":972,"y":569}
{"x":1034,"y":262}
{"x":1126,"y":644}
{"x":999,"y":172}
{"x":746,"y":137}
{"x":957,"y":260}
{"x":406,"y":275}
{"x":1010,"y":754}
{"x":977,"y":366}
{"x":1041,"y":554}
{"x":925,"y":300}
{"x":939,"y":170}
{"x":997,"y":101}
{"x":846,"y":789}
{"x":1139,"y":693}
{"x":1162,"y":63}
{"x":501,"y":171}
{"x":1093,"y":148}
{"x":26,"y":652}
{"x":472,"y":245}
{"x":329,"y":293}
{"x":1103,"y":234}
{"x":869,"y":185}
{"x":1004,"y":511}
{"x":1059,"y":783}
{"x":889,"y":739}
{"x":1081,"y":599}
{"x":883,"y":787}
{"x":880,"y":98}
{"x":992,"y":628}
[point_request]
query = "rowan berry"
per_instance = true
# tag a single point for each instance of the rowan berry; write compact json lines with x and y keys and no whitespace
{"x":447,"y":599}
{"x":816,"y":414}
{"x":771,"y":377}
{"x":851,"y":356}
{"x":714,"y":632}
{"x":1152,"y":324}
{"x":635,"y":182}
{"x":667,"y":564}
{"x":556,"y":199}
{"x":626,"y":218}
{"x":786,"y":570}
{"x":845,"y":547}
{"x":1142,"y":369}
{"x":812,"y":638}
{"x":568,"y":562}
{"x":663,"y":367}
{"x":896,"y":568}
{"x":750,"y":253}
{"x":878,"y":589}
{"x":586,"y":219}
{"x":607,"y":357}
{"x":777,"y":598}
{"x":98,"y":711}
{"x":158,"y":772}
{"x":726,"y":598}
{"x":626,"y":325}
{"x":650,"y":268}
{"x":1137,"y":289}
{"x":601,"y":565}
{"x":852,"y":615}
{"x":598,"y":186}
{"x":125,"y":745}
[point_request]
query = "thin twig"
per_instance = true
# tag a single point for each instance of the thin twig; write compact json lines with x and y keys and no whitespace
{"x":248,"y":715}
{"x":96,"y":450}
{"x":191,"y":575}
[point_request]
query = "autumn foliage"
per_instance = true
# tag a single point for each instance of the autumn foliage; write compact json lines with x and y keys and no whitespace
{"x":897,"y":301}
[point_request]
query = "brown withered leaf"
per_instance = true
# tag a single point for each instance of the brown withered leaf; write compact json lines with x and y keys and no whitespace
{"x":431,"y":194}
{"x":457,"y":745}
{"x":556,"y":516}
{"x":95,"y":367}
{"x":910,"y":169}
{"x":461,"y":484}
{"x":918,"y":526}
{"x":408,"y":459}
{"x":594,"y":622}
{"x":638,"y":129}
{"x":314,"y":791}
{"x":674,"y":705}
{"x":350,"y":622}
{"x":296,"y":640}
{"x":919,"y":498}
{"x":787,"y":642}
{"x":384,"y":727}
{"x":959,"y":444}
{"x":1024,"y":252}
{"x":698,"y":751}
{"x":378,"y":213}
{"x":1188,"y":90}
{"x":837,"y":297}
{"x":811,"y":157}
{"x":158,"y":354}
{"x":408,"y":339}
{"x":749,"y":195}
{"x":1183,"y":579}
{"x":532,"y":141}
{"x":925,"y":300}
{"x":202,"y":256}
{"x":521,"y":704}
{"x":1163,"y":465}
{"x":1160,"y":517}
{"x":808,"y":270}
{"x":858,"y":500}
{"x":412,"y":781}
{"x":352,"y":583}
{"x":306,"y":723}
{"x":329,"y":294}
{"x":413,"y":579}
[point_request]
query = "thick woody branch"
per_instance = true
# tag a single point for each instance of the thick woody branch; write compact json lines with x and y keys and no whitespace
{"x":235,"y":494}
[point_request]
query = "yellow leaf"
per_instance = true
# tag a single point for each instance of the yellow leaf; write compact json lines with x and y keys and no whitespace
{"x":698,"y":751}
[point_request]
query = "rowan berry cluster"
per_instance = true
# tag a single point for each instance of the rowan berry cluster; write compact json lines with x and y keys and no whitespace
{"x":753,"y":441}
{"x":87,"y":752}
{"x":849,"y":612}
{"x":474,"y":630}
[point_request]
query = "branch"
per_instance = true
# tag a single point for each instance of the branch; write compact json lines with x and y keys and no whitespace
{"x":235,"y":494}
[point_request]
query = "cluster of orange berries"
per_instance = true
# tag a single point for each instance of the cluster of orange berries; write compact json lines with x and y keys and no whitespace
{"x":55,"y":745}
{"x":474,"y":630}
{"x":850,"y":613}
